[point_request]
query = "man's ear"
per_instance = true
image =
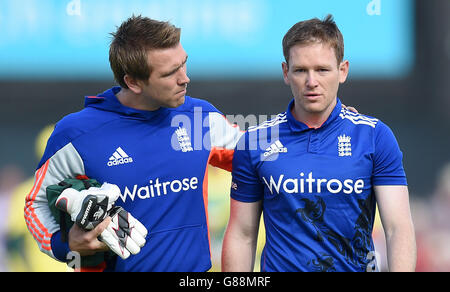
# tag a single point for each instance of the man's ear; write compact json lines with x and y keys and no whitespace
{"x":133,"y":84}
{"x":343,"y":71}
{"x":285,"y":68}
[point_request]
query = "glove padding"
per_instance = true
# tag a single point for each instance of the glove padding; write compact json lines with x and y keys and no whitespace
{"x":124,"y":235}
{"x":87,"y":208}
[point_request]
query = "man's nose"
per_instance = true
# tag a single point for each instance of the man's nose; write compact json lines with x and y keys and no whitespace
{"x":311,"y":80}
{"x":184,"y":79}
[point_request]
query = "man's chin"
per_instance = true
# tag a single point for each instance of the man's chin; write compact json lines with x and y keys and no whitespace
{"x":317,"y":106}
{"x":314,"y":108}
{"x":181,"y":100}
{"x":177,"y":102}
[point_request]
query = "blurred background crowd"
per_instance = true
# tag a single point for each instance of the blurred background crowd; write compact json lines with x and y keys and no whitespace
{"x":55,"y":52}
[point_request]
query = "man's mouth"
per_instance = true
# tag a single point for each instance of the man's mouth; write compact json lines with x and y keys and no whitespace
{"x":182,"y":92}
{"x":312,"y":95}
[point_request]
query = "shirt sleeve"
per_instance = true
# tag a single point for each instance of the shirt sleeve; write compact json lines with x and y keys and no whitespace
{"x":246,"y":185}
{"x":224,"y":137}
{"x":388,"y":159}
{"x":57,"y":164}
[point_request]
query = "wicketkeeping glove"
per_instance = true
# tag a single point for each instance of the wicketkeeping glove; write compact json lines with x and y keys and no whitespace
{"x":87,"y":208}
{"x":124,"y":235}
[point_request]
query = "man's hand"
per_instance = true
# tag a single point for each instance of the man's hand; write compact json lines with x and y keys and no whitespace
{"x":86,"y":242}
{"x":350,"y":108}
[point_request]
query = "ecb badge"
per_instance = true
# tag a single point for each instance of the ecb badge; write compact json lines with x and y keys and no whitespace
{"x":344,"y":146}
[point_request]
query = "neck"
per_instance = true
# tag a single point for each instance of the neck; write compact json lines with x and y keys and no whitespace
{"x":313,"y":119}
{"x":136,"y":101}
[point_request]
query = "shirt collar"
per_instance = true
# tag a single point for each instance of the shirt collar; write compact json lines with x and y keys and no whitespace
{"x":297,"y":126}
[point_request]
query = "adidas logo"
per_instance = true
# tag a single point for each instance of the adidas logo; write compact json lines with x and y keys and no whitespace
{"x":119,"y":157}
{"x":276,"y":147}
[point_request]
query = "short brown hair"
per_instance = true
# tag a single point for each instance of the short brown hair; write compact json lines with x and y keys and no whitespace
{"x":131,"y":42}
{"x":315,"y":31}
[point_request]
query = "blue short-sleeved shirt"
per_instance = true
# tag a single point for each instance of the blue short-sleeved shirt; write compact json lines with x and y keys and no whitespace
{"x":317,"y":188}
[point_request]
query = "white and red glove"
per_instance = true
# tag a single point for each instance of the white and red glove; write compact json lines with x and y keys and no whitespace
{"x":124,"y":235}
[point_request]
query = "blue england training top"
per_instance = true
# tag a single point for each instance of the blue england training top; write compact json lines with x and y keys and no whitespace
{"x":159,"y":161}
{"x":317,"y":188}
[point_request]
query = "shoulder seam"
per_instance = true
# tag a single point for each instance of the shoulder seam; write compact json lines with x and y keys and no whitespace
{"x":279,"y":119}
{"x":358,"y":119}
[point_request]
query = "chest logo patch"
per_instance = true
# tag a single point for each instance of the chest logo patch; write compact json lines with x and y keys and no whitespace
{"x":344,"y":145}
{"x":276,"y":147}
{"x":119,"y":157}
{"x":184,"y":140}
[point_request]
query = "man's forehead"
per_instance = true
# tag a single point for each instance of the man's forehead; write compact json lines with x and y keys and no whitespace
{"x":312,"y":52}
{"x":167,"y":58}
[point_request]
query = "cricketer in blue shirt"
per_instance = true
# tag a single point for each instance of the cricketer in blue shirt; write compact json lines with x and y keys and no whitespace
{"x":151,"y":140}
{"x":317,"y":172}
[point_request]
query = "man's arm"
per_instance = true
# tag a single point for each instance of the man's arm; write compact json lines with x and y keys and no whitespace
{"x":66,"y":162}
{"x":239,"y":244}
{"x":393,"y":204}
{"x":38,"y":217}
